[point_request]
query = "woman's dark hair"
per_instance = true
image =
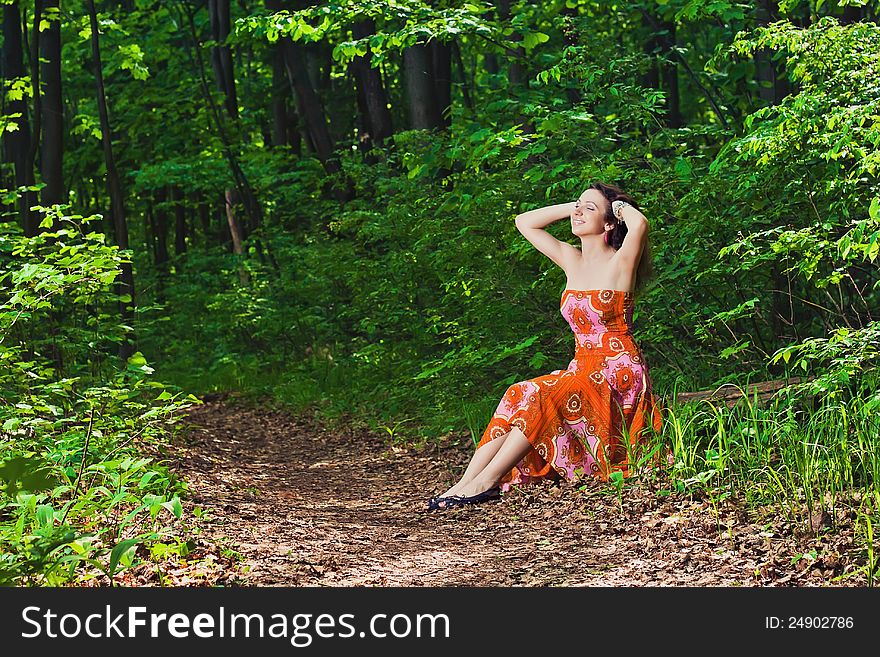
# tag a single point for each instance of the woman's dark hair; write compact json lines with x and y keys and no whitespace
{"x":645,"y":269}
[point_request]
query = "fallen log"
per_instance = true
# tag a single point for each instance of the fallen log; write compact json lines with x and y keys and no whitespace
{"x":731,"y":394}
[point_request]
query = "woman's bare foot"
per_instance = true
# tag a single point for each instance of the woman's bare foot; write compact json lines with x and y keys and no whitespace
{"x":452,"y":491}
{"x":475,"y":487}
{"x":468,"y":489}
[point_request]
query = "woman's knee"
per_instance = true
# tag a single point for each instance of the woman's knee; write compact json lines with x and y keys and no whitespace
{"x":496,"y":443}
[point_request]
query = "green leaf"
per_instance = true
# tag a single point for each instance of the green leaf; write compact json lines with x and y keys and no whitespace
{"x":11,"y":424}
{"x":121,"y":548}
{"x":174,"y":507}
{"x":532,"y":39}
{"x":45,"y":515}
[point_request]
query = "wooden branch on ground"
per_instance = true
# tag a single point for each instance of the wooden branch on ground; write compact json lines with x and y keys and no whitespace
{"x":731,"y":394}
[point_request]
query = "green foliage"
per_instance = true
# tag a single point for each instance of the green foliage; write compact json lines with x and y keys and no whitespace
{"x":401,"y":24}
{"x":75,"y":487}
{"x":817,"y":151}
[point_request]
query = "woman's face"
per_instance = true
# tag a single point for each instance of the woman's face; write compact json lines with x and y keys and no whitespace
{"x":588,"y":217}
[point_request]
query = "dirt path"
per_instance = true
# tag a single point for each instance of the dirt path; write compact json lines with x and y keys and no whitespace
{"x":306,"y":507}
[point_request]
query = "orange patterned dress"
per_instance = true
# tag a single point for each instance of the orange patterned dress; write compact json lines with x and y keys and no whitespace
{"x":574,"y":417}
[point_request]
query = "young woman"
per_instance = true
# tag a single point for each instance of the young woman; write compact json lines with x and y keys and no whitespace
{"x":586,"y":419}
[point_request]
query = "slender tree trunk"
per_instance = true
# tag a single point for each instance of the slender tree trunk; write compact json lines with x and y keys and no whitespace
{"x":310,"y":107}
{"x":424,"y":107}
{"x":161,"y":231}
{"x":295,"y":131}
{"x":569,"y":38}
{"x":243,"y":276}
{"x":772,"y":87}
{"x":491,"y":66}
{"x":490,"y":63}
{"x":242,"y":185}
{"x":125,"y":282}
{"x":18,"y":142}
{"x":36,"y":136}
{"x":371,"y":91}
{"x":224,"y":77}
{"x":666,"y":33}
{"x":225,"y":72}
{"x":670,"y":78}
{"x":516,"y":71}
{"x":651,"y":78}
{"x":52,"y":156}
{"x":853,"y":15}
{"x":466,"y":84}
{"x":318,"y":58}
{"x":150,"y":230}
{"x":221,"y":55}
{"x":365,"y":141}
{"x":441,"y":61}
{"x":204,"y":217}
{"x":180,"y":228}
{"x":280,"y":96}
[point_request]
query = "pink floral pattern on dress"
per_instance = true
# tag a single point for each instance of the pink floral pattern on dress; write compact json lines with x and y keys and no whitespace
{"x":578,"y":418}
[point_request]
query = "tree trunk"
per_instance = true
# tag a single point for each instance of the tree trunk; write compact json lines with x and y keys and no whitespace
{"x":125,"y":283}
{"x":224,"y":70}
{"x":670,"y":77}
{"x":853,"y":14}
{"x":570,"y":38}
{"x":418,"y":69}
{"x":150,"y":230}
{"x":308,"y":103}
{"x":466,"y":85}
{"x":18,"y":142}
{"x":224,"y":77}
{"x":221,"y":55}
{"x":665,"y":32}
{"x":205,"y":218}
{"x":243,"y":276}
{"x":180,"y":228}
{"x":295,"y":131}
{"x":52,"y":155}
{"x":772,"y":87}
{"x":371,"y":91}
{"x":160,"y":212}
{"x":516,"y":72}
{"x":310,"y":108}
{"x":441,"y":61}
{"x":220,"y":25}
{"x":490,"y":64}
{"x":651,"y":78}
{"x":280,"y":96}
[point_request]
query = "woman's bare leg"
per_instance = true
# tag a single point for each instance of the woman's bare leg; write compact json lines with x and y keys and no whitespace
{"x":515,"y":447}
{"x":479,"y":460}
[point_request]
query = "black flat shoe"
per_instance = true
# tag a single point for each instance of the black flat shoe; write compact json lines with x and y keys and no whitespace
{"x":457,"y":500}
{"x":433,"y":502}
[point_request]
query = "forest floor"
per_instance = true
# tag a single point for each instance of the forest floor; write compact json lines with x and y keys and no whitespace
{"x":289,"y":503}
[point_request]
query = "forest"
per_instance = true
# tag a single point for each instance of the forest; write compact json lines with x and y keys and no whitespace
{"x":262,"y":287}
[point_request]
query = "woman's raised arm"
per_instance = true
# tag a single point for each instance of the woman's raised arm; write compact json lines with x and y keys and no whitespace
{"x":531,"y":224}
